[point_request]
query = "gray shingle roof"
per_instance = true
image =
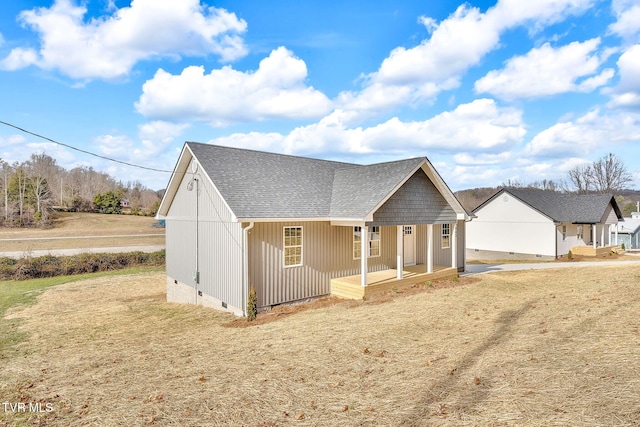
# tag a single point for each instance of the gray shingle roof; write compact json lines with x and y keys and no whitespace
{"x":560,"y":207}
{"x":258,"y":184}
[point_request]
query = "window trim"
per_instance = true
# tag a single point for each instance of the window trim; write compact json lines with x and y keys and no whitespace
{"x":445,"y":235}
{"x":564,"y":232}
{"x":284,"y":246}
{"x":371,"y":231}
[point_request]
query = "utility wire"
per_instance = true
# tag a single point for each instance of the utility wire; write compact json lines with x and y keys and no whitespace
{"x":84,"y":151}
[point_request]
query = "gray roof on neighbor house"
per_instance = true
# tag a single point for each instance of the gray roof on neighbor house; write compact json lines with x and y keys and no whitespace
{"x":629,"y":226}
{"x":561,"y":207}
{"x":258,"y":184}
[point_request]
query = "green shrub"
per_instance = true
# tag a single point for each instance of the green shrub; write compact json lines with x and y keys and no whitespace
{"x":570,"y":256}
{"x":52,"y":266}
{"x":622,"y":246}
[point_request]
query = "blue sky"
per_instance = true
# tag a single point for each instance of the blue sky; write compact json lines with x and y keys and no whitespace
{"x":488,"y":91}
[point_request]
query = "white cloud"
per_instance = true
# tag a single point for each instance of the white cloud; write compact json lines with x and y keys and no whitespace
{"x":627,"y":93}
{"x":482,"y":158}
{"x":419,"y":73}
{"x":276,"y":90}
{"x":548,"y":71}
{"x":478,"y":127}
{"x":628,"y":15}
{"x":590,"y":133}
{"x":109,"y":47}
{"x":118,"y":146}
{"x":157,"y":136}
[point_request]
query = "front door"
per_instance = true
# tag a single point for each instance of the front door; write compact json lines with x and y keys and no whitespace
{"x":409,"y":245}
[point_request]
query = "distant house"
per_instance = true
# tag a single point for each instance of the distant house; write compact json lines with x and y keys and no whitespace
{"x":530,"y":223}
{"x":629,"y":232}
{"x":297,"y":228}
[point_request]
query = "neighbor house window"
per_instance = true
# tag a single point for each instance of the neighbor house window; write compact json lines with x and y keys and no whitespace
{"x":564,"y":233}
{"x":446,"y":236}
{"x":374,"y":241}
{"x":580,"y":232}
{"x":292,"y":246}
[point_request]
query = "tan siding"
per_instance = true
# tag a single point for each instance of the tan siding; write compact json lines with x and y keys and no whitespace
{"x":440,"y":256}
{"x":610,"y":216}
{"x":327,"y":253}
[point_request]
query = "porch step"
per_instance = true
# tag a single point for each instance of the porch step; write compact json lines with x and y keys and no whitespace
{"x":350,"y":288}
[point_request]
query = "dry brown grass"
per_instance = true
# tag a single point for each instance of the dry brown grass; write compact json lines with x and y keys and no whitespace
{"x":70,"y":225}
{"x":533,"y":348}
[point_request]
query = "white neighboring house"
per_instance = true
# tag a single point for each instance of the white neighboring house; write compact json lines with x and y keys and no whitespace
{"x":629,"y":232}
{"x":537,"y":224}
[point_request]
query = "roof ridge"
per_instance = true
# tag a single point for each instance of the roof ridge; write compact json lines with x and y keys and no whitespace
{"x":270,"y":152}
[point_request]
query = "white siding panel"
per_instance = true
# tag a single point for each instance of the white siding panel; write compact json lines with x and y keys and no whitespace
{"x":507,"y":225}
{"x":219,"y":242}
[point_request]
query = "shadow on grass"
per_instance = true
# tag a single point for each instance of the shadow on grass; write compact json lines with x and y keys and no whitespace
{"x":450,"y":386}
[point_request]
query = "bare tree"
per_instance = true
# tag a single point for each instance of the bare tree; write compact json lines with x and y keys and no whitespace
{"x":43,"y":170}
{"x":580,"y":177}
{"x":609,"y":174}
{"x":606,"y":175}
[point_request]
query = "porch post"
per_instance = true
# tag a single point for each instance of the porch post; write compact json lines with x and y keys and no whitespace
{"x":454,"y":246}
{"x":593,"y":235}
{"x":364,"y":255}
{"x":430,"y":248}
{"x":400,"y":251}
{"x":616,"y":232}
{"x":602,"y":236}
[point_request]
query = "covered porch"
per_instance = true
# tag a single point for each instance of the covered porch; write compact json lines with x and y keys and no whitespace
{"x":350,"y":287}
{"x":607,"y":242}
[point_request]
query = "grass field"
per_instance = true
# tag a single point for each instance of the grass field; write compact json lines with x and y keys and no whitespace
{"x":71,"y":226}
{"x":531,"y":348}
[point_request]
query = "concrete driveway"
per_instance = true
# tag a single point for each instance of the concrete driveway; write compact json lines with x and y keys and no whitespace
{"x":488,"y":268}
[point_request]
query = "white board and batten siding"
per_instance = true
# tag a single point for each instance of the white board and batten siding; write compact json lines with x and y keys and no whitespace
{"x":499,"y":228}
{"x":219,"y":248}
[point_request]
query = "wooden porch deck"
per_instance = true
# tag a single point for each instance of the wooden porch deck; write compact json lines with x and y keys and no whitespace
{"x":380,"y":281}
{"x":589,"y":251}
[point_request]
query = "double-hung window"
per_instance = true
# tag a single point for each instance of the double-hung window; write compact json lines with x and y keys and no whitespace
{"x":446,"y":236}
{"x":373,"y":240}
{"x":292,"y":246}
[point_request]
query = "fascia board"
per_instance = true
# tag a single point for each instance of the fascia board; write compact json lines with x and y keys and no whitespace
{"x":369,"y":216}
{"x":441,"y":186}
{"x":174,"y":182}
{"x":444,"y":189}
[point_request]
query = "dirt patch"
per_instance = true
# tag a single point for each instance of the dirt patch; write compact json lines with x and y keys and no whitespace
{"x":529,"y":348}
{"x":283,"y":311}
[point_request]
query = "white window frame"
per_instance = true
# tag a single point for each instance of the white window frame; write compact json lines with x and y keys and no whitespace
{"x":564,"y":233}
{"x":374,"y":231}
{"x":445,"y":236}
{"x":286,"y":246}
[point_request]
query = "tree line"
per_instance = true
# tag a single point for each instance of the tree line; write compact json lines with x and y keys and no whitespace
{"x":31,"y":190}
{"x":607,"y":175}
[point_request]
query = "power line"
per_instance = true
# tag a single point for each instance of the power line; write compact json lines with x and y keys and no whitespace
{"x":84,"y":151}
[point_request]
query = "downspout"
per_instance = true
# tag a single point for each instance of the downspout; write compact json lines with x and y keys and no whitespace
{"x":196,"y":275}
{"x":245,"y":267}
